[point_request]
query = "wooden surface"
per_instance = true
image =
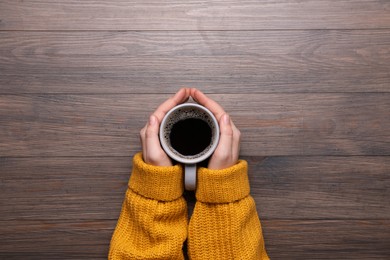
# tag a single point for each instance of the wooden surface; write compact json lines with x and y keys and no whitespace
{"x":307,"y":83}
{"x":281,"y":61}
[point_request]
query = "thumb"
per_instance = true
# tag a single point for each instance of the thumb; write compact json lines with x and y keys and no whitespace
{"x":151,"y":135}
{"x":154,"y":154}
{"x":222,"y":156}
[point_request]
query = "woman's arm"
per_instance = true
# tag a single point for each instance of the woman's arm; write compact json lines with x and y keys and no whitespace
{"x":224,"y":224}
{"x":153,"y":220}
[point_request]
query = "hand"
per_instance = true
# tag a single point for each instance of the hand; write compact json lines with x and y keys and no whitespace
{"x":151,"y":149}
{"x":227,"y":152}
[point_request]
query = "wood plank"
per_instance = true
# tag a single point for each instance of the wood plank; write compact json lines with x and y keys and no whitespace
{"x":285,"y":239}
{"x":155,"y":62}
{"x":63,"y":188}
{"x":321,"y":187}
{"x":272,"y":124}
{"x":47,"y":239}
{"x":193,"y":15}
{"x":327,"y":239}
{"x":283,"y":187}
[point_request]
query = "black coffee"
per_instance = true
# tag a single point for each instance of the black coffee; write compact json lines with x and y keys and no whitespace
{"x":190,"y":136}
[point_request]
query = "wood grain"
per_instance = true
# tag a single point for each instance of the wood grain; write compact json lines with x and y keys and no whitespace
{"x":306,"y":81}
{"x":220,"y":62}
{"x":65,"y":239}
{"x":283,"y":187}
{"x":327,"y":239}
{"x":272,"y":124}
{"x":89,"y":239}
{"x":314,"y":187}
{"x":193,"y":15}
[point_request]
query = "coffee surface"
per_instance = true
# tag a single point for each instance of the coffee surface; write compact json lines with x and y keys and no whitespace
{"x":190,"y":136}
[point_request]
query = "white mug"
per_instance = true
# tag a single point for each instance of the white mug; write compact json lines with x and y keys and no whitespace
{"x":189,"y":134}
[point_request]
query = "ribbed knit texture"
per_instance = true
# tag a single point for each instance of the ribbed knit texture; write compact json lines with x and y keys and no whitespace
{"x":153,"y":221}
{"x":224,"y":224}
{"x":158,"y":183}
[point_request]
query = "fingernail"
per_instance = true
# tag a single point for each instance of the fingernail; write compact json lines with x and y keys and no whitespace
{"x":152,"y":120}
{"x":226,"y":119}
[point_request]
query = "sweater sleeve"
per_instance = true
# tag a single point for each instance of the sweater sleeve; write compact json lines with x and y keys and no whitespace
{"x":225,"y":224}
{"x":153,"y":220}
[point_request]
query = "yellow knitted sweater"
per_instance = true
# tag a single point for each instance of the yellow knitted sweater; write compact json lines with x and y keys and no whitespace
{"x":153,"y":221}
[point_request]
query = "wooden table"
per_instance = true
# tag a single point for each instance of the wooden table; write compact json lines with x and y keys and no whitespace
{"x":307,"y":83}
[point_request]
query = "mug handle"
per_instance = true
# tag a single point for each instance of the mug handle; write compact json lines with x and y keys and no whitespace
{"x":190,"y":176}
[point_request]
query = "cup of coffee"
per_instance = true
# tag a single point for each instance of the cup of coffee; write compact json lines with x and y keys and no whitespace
{"x":189,"y":134}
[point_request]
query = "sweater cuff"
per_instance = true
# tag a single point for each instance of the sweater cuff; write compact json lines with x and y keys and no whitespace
{"x":223,"y":186}
{"x":156,"y":182}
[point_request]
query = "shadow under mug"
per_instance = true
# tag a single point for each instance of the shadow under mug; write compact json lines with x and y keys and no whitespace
{"x":189,"y":134}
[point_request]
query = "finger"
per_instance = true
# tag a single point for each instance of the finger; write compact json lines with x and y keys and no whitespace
{"x":154,"y":153}
{"x":180,"y":97}
{"x":142,"y":137}
{"x":236,"y":142}
{"x":151,"y":135}
{"x":222,"y":157}
{"x":207,"y":102}
{"x":226,"y":137}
